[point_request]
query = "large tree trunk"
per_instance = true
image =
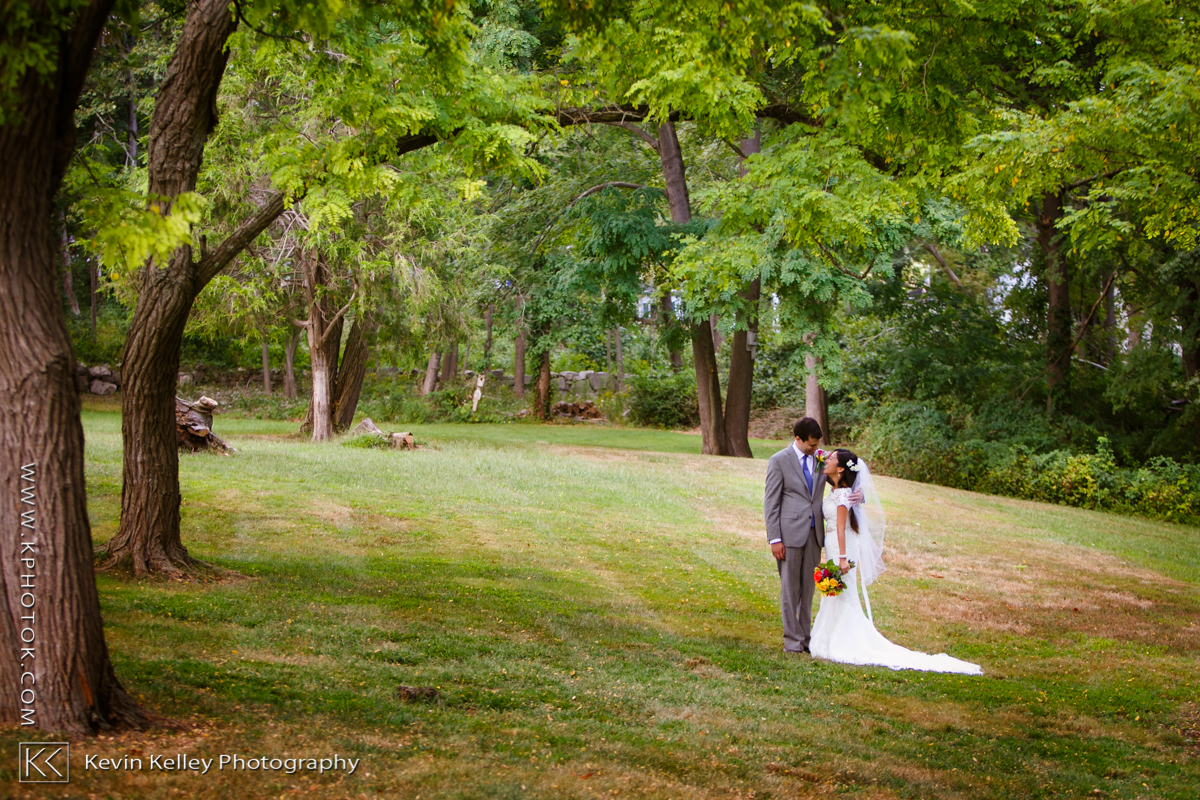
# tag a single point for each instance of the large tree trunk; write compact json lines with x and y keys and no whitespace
{"x":450,"y":365}
{"x":519,"y":362}
{"x":184,"y":115}
{"x":1059,"y":326}
{"x":431,"y":373}
{"x":324,"y":327}
{"x":351,"y":371}
{"x":708,"y":392}
{"x":54,"y":663}
{"x":704,"y":356}
{"x":543,"y":387}
{"x":816,"y":404}
{"x":289,"y":365}
{"x":740,"y":387}
{"x":741,"y":376}
{"x":321,"y":406}
{"x":67,"y":277}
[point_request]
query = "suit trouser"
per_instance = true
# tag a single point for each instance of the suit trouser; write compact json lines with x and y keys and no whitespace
{"x":796,"y":589}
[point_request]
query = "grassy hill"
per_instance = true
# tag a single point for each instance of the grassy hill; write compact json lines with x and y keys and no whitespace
{"x":597,"y":609}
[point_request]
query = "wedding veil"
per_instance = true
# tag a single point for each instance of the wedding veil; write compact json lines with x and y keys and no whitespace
{"x":871,"y":527}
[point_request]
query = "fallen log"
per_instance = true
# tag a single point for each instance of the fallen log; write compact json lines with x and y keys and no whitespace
{"x":193,"y":426}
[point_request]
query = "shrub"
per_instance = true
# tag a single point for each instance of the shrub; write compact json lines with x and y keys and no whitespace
{"x":664,"y":399}
{"x":919,"y":443}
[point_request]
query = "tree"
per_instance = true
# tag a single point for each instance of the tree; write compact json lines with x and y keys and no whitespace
{"x":62,"y":664}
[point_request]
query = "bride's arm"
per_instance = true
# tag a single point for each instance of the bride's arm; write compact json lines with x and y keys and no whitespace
{"x":842,"y":514}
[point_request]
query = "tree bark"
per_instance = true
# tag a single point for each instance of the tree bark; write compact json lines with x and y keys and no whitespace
{"x":431,"y":373}
{"x":704,"y":356}
{"x":740,"y":387}
{"x":816,"y":404}
{"x":184,"y":115}
{"x":519,"y":362}
{"x":324,"y":327}
{"x":350,"y":374}
{"x":67,"y":682}
{"x":67,"y":277}
{"x":543,"y":387}
{"x":450,"y":365}
{"x":266,"y":364}
{"x":289,"y":365}
{"x":1059,"y":328}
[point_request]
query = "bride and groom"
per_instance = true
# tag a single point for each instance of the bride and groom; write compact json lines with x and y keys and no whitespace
{"x":849,"y":523}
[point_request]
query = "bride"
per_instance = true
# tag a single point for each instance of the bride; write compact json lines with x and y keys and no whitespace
{"x":842,"y":632}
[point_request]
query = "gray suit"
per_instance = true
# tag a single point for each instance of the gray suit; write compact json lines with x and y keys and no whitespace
{"x":794,"y":514}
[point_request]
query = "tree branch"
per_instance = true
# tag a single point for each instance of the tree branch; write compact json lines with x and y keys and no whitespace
{"x":638,"y":132}
{"x":329,"y":325}
{"x":216,"y":260}
{"x":1098,"y":177}
{"x":594,"y":190}
{"x":933,"y":251}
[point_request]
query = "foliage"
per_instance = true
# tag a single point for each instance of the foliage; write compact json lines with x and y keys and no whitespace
{"x":664,"y":399}
{"x":918,"y":443}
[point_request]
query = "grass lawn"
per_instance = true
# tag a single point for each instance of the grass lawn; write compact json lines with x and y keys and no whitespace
{"x":597,"y":608}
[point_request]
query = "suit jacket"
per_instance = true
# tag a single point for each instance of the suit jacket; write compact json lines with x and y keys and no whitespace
{"x":788,"y":506}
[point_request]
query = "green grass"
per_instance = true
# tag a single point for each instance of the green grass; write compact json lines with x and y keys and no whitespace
{"x":598,"y":608}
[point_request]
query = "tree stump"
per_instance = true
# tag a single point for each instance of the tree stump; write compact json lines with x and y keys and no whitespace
{"x":193,"y":426}
{"x":402,"y":441}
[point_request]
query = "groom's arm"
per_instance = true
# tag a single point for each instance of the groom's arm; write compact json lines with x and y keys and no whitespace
{"x":773,"y":507}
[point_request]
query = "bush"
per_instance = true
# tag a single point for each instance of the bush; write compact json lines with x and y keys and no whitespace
{"x":664,"y":399}
{"x":919,"y":443}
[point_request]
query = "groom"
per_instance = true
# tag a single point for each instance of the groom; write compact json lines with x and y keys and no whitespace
{"x":796,"y":528}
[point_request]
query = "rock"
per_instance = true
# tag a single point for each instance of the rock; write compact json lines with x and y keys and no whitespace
{"x":100,"y":372}
{"x":528,"y":380}
{"x":560,"y":383}
{"x":82,"y":379}
{"x":496,"y":373}
{"x":578,"y":410}
{"x":571,"y":376}
{"x":102,"y":388}
{"x":598,"y":381}
{"x":184,"y":378}
{"x":366,"y":426}
{"x":402,"y":441}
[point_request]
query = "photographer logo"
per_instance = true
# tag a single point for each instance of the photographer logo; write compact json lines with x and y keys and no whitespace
{"x":44,"y":762}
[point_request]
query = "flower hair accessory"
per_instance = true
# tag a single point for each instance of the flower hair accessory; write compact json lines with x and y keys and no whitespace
{"x":855,"y":467}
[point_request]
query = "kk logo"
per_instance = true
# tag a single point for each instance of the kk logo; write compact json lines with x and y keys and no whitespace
{"x":44,"y":762}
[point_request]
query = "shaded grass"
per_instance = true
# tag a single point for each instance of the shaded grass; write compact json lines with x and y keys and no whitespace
{"x":600,"y":618}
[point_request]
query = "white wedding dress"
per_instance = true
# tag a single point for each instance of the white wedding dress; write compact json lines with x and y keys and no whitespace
{"x":843,"y":633}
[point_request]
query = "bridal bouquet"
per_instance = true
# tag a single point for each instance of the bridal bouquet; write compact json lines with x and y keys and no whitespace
{"x":828,"y":577}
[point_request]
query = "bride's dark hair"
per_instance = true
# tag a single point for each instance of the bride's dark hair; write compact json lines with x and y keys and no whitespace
{"x":845,"y":459}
